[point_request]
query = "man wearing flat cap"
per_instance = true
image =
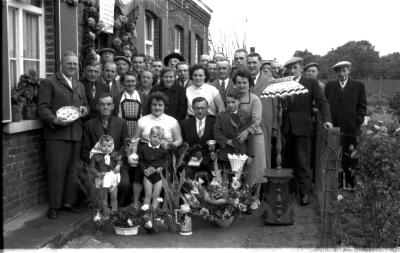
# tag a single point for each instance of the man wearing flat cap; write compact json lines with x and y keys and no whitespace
{"x":297,"y":127}
{"x":107,"y":54}
{"x":172,"y":59}
{"x":348,"y":103}
{"x":311,"y":70}
{"x":123,"y":65}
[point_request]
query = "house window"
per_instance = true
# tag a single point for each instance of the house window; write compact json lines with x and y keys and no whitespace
{"x":178,"y":40}
{"x":25,"y":38}
{"x":149,"y":34}
{"x":197,"y":49}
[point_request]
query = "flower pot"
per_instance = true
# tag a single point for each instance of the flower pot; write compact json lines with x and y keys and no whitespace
{"x":126,"y":231}
{"x":224,"y":223}
{"x":29,"y":112}
{"x":16,"y":112}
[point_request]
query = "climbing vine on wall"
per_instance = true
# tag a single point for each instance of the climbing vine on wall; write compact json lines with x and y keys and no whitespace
{"x":124,"y":34}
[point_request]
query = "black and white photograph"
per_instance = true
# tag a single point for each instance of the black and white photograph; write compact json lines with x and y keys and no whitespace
{"x":180,"y":125}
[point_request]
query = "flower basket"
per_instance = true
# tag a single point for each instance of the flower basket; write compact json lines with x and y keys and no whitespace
{"x":224,"y":223}
{"x":126,"y":231}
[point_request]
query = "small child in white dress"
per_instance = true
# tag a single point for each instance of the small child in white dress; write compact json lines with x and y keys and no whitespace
{"x":106,"y":163}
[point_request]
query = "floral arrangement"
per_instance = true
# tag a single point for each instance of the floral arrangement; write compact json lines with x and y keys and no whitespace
{"x":27,"y":89}
{"x":222,"y":198}
{"x":123,"y":37}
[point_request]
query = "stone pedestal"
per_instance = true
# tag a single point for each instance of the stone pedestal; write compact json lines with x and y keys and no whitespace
{"x":279,"y":199}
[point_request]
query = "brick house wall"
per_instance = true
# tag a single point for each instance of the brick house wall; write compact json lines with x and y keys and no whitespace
{"x":24,"y":175}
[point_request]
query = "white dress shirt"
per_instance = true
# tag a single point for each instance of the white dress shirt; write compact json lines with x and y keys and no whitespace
{"x":200,"y":125}
{"x":69,"y":80}
{"x":343,"y":84}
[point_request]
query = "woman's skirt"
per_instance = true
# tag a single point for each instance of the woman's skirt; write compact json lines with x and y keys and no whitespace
{"x":257,"y":169}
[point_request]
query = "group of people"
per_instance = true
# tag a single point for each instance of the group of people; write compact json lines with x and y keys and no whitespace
{"x":167,"y":104}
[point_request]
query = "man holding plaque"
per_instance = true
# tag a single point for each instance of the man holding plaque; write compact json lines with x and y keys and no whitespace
{"x":62,"y":134}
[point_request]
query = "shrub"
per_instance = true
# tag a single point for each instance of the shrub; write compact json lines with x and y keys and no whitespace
{"x":370,"y":216}
{"x":394,"y":104}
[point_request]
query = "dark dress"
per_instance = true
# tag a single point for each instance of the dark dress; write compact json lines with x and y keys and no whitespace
{"x":154,"y":157}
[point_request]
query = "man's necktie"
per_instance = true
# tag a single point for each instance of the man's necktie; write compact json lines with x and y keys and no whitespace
{"x":93,"y":90}
{"x":223,"y":86}
{"x":200,"y":129}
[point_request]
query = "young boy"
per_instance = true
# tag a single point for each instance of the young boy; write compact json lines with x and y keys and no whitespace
{"x":106,"y":164}
{"x":228,"y":126}
{"x":152,"y":161}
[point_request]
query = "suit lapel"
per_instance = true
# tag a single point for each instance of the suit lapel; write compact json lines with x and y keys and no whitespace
{"x":63,"y":81}
{"x":347,"y":88}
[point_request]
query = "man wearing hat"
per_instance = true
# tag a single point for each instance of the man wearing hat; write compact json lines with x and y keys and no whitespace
{"x":311,"y":70}
{"x":266,"y":69}
{"x":123,"y":65}
{"x":348,"y":102}
{"x":297,"y":127}
{"x":107,"y":54}
{"x":172,"y":59}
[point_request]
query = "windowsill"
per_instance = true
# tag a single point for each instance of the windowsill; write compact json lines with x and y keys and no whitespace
{"x":22,"y":126}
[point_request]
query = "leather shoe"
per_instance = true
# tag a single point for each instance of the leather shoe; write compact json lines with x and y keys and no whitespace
{"x":52,"y":213}
{"x":305,"y":200}
{"x":70,"y":208}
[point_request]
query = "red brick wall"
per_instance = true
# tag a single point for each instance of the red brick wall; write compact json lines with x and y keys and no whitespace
{"x":24,"y":178}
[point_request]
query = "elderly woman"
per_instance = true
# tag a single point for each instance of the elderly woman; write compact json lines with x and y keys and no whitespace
{"x":172,"y":134}
{"x":129,"y":103}
{"x":251,"y":104}
{"x":199,"y":76}
{"x":177,"y":98}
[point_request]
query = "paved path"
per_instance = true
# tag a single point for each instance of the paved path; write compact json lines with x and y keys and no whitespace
{"x":247,"y":233}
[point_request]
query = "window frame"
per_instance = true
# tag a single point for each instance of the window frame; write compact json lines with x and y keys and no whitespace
{"x":149,"y":43}
{"x":178,"y":39}
{"x":19,"y":58}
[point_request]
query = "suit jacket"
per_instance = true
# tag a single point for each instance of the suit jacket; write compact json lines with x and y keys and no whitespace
{"x":229,"y":87}
{"x":100,"y":87}
{"x":348,"y":106}
{"x":177,"y":106}
{"x":116,"y":87}
{"x":227,"y":128}
{"x":93,"y":129}
{"x":54,"y":93}
{"x":189,"y":134}
{"x":297,"y":117}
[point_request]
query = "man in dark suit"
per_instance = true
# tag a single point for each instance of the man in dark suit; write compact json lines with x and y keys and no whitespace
{"x":62,"y":136}
{"x":106,"y":123}
{"x":93,"y":86}
{"x":348,"y":105}
{"x":108,"y":78}
{"x":156,"y":66}
{"x":182,"y":71}
{"x":223,"y":83}
{"x":297,"y":127}
{"x":198,"y":130}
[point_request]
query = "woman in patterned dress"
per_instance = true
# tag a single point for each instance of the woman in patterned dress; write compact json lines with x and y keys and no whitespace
{"x":128,"y":103}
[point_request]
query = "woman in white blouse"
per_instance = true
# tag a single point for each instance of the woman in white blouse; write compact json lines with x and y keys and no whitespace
{"x":199,"y":76}
{"x":172,"y":134}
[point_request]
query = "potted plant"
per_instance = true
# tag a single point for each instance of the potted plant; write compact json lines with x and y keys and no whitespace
{"x":28,"y":87}
{"x":127,"y":220}
{"x":17,"y":104}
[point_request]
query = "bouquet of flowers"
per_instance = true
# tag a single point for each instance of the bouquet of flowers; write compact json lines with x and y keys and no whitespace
{"x":223,"y":198}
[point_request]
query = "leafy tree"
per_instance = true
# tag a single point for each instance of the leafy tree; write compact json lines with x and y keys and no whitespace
{"x":390,"y":65}
{"x":307,"y":56}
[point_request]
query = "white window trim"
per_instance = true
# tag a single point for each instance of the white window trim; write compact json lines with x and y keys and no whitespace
{"x":20,"y":39}
{"x":196,"y":49}
{"x":149,"y":42}
{"x":177,"y":33}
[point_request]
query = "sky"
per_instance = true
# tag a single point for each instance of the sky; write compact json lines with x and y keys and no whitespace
{"x":278,"y":28}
